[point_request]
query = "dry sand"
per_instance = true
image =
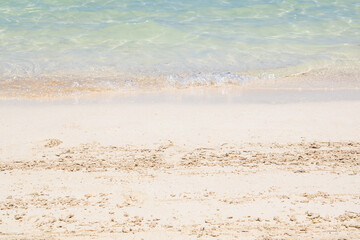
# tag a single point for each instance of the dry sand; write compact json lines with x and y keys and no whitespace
{"x":180,"y":171}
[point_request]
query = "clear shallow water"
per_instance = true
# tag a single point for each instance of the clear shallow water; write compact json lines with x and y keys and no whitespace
{"x":97,"y":42}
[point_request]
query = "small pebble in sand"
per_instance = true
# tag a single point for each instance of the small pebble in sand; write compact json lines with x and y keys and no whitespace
{"x":52,"y":143}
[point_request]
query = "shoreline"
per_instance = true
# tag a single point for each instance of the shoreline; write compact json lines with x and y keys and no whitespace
{"x":199,"y":95}
{"x":318,"y":77}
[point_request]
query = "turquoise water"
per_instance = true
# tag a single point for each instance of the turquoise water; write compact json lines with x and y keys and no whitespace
{"x":210,"y":41}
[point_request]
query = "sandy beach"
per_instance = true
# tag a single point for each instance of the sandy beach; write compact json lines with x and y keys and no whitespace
{"x":177,"y":119}
{"x":180,"y":170}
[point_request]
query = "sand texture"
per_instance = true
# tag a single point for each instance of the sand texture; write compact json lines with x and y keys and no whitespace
{"x":63,"y":177}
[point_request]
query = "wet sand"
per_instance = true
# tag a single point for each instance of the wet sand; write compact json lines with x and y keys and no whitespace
{"x":180,"y":170}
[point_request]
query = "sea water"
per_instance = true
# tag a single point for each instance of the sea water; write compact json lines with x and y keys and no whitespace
{"x":136,"y":43}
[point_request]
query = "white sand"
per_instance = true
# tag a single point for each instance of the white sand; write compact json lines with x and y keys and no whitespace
{"x":180,"y":171}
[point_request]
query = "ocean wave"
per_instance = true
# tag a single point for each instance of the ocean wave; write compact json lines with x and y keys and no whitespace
{"x":65,"y":85}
